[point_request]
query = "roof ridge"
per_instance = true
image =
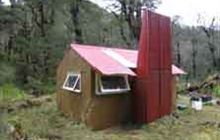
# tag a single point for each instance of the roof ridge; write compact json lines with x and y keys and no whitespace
{"x":100,"y":47}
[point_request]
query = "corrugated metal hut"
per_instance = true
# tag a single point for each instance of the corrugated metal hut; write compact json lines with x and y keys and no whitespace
{"x":82,"y":84}
{"x":93,"y":84}
{"x":103,"y":86}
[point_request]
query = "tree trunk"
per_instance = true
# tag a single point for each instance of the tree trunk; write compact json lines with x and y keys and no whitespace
{"x":75,"y":12}
{"x":178,"y":55}
{"x":130,"y":12}
{"x":212,"y":51}
{"x":9,"y":47}
{"x":42,"y":19}
{"x":194,"y":54}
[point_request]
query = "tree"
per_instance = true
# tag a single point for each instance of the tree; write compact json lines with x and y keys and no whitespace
{"x":75,"y":14}
{"x":177,"y":32}
{"x":210,"y":32}
{"x":194,"y":43}
{"x":30,"y":46}
{"x":35,"y":33}
{"x":129,"y":11}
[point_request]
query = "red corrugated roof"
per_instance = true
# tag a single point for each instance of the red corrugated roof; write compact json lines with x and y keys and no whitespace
{"x":99,"y":60}
{"x":111,"y":61}
{"x":177,"y":71}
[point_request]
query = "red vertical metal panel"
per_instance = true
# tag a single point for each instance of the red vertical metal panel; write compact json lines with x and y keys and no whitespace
{"x":140,"y":90}
{"x":166,"y":97}
{"x":165,"y":42}
{"x":142,"y":64}
{"x":152,"y":92}
{"x":139,"y":100}
{"x":165,"y":82}
{"x":153,"y":96}
{"x":143,"y":100}
{"x":168,"y":58}
{"x":154,"y":46}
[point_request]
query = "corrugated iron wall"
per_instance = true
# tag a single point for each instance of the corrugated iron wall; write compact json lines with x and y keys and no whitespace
{"x":152,"y":92}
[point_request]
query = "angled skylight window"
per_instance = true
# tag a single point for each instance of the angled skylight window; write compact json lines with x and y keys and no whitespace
{"x":72,"y":82}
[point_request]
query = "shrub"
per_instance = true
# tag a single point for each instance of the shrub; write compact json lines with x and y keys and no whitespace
{"x":7,"y":73}
{"x":38,"y":87}
{"x":8,"y":92}
{"x":216,"y":90}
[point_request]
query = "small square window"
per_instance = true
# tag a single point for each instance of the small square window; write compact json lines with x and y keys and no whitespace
{"x":72,"y":82}
{"x":112,"y":84}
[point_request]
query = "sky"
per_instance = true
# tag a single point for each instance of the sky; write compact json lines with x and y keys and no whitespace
{"x":187,"y":9}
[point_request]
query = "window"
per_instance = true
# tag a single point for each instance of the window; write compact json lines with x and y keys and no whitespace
{"x":72,"y":82}
{"x":112,"y":84}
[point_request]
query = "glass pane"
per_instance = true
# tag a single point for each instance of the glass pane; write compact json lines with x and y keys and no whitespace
{"x":77,"y":87}
{"x":113,"y":82}
{"x":71,"y":81}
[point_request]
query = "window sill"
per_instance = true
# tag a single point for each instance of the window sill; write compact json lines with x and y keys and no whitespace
{"x":113,"y":92}
{"x":70,"y":89}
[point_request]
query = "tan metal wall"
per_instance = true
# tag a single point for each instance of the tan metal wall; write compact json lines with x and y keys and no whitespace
{"x":70,"y":103}
{"x":97,"y":111}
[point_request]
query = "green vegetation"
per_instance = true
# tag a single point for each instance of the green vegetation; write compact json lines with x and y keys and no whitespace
{"x":47,"y":122}
{"x":34,"y":35}
{"x":216,"y":90}
{"x":7,"y":73}
{"x":9,"y":92}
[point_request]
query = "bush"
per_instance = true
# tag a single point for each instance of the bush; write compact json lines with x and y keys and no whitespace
{"x":49,"y":87}
{"x":8,"y":92}
{"x":181,"y":88}
{"x":7,"y":73}
{"x":38,"y":87}
{"x":216,"y":90}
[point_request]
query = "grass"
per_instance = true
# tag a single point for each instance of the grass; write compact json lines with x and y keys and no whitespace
{"x":9,"y":93}
{"x":46,"y":122}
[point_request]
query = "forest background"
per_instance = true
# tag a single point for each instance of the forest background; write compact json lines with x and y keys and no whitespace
{"x":34,"y":35}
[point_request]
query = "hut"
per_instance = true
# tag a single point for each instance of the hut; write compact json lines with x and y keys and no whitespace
{"x":94,"y":84}
{"x":93,"y":87}
{"x":103,"y":86}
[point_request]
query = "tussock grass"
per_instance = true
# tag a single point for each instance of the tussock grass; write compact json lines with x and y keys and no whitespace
{"x":48,"y":123}
{"x":10,"y":93}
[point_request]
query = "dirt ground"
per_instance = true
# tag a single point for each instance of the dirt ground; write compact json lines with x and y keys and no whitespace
{"x":45,"y":122}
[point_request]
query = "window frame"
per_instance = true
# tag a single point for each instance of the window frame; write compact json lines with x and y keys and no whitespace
{"x":78,"y":75}
{"x":101,"y":91}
